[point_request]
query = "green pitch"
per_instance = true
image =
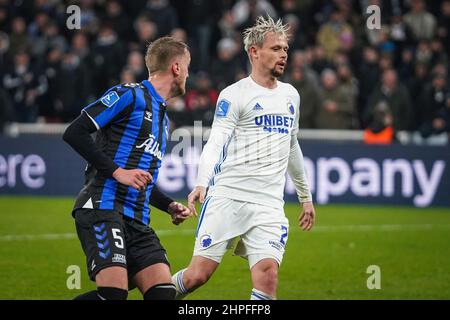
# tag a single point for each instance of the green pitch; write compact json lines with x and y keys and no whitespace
{"x":410,"y":246}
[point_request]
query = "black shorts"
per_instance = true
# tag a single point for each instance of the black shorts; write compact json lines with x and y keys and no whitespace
{"x":110,"y":239}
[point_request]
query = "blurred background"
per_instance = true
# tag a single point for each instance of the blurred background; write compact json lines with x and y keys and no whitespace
{"x":349,"y":76}
{"x":374,"y":129}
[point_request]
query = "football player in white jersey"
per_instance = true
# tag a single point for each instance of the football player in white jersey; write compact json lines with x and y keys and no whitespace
{"x":242,"y":169}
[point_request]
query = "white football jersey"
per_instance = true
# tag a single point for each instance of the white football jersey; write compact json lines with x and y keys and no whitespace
{"x":259,"y":123}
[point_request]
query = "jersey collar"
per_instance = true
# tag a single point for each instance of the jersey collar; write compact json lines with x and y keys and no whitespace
{"x":151,"y":89}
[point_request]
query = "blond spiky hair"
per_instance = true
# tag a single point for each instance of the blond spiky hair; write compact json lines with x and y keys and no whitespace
{"x":255,"y":35}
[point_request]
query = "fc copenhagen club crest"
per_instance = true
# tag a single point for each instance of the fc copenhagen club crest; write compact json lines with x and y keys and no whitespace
{"x":290,"y":106}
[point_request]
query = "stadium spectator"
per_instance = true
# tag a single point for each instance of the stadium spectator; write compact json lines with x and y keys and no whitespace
{"x":178,"y":115}
{"x":320,"y":61}
{"x":19,"y":39}
{"x":349,"y":85}
{"x":336,"y":111}
{"x":201,"y":101}
{"x":297,"y":14}
{"x":423,"y":52}
{"x":296,"y":39}
{"x":4,"y":48}
{"x":127,"y":76}
{"x":90,"y":20}
{"x":386,"y":62}
{"x":420,"y":21}
{"x":439,"y":56}
{"x":108,"y":56}
{"x":368,"y":75}
{"x":52,"y":107}
{"x":202,"y":86}
{"x":443,"y":25}
{"x":80,"y":47}
{"x":399,"y":32}
{"x":380,"y":130}
{"x":37,"y":27}
{"x":435,"y":107}
{"x":200,"y":18}
{"x":335,"y":35}
{"x":384,"y":42}
{"x":397,"y":98}
{"x":49,"y":38}
{"x":116,"y":16}
{"x":24,"y":85}
{"x":298,"y":59}
{"x":135,"y":63}
{"x":74,"y":81}
{"x":311,"y":100}
{"x":406,"y":65}
{"x":5,"y":109}
{"x":245,"y":12}
{"x":226,"y":65}
{"x":163,"y":14}
{"x":328,"y":33}
{"x":4,"y":18}
{"x":146,"y":30}
{"x":416,"y":84}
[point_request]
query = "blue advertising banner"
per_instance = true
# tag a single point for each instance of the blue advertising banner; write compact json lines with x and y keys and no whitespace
{"x":338,"y":173}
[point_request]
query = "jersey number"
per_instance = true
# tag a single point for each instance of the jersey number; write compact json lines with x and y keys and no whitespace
{"x":284,"y":235}
{"x":119,"y":243}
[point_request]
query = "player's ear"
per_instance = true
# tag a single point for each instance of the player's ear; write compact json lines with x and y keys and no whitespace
{"x":176,"y":68}
{"x":253,"y":52}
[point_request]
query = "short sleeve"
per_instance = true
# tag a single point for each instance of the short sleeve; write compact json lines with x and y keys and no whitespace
{"x":114,"y":104}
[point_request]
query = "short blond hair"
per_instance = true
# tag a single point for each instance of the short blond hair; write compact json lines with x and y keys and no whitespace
{"x":255,"y":34}
{"x":161,"y":52}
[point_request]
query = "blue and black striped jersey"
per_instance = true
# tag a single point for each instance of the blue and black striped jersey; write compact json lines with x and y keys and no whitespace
{"x":132,"y":130}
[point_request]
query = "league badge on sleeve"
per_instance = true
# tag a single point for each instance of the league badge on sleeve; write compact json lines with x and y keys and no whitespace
{"x":222,"y":108}
{"x":110,"y":98}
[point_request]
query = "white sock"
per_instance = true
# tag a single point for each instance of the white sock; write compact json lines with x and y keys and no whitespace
{"x":259,"y":295}
{"x":177,"y":280}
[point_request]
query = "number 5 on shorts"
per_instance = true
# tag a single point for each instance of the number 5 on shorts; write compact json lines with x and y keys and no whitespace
{"x":119,"y":243}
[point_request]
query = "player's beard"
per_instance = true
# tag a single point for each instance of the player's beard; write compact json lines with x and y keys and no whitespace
{"x":274,"y":72}
{"x":179,"y":89}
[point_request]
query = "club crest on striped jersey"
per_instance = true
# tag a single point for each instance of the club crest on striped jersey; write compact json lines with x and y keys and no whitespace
{"x":110,"y":98}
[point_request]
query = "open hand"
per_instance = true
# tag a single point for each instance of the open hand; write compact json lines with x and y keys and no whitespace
{"x":308,"y":216}
{"x":199,"y":193}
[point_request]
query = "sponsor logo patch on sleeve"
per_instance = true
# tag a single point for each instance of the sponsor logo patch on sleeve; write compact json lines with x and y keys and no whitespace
{"x":222,"y":108}
{"x":110,"y":98}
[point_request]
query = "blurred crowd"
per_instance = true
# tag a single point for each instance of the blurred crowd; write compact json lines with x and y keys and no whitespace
{"x":349,"y":76}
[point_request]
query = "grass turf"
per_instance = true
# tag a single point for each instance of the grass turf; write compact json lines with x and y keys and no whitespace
{"x":410,"y":245}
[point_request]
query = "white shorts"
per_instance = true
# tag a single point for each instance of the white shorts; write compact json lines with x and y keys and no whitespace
{"x":263,"y":230}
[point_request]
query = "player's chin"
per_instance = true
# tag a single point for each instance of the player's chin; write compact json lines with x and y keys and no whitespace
{"x":182,"y":89}
{"x":278,"y":71}
{"x":179,"y":91}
